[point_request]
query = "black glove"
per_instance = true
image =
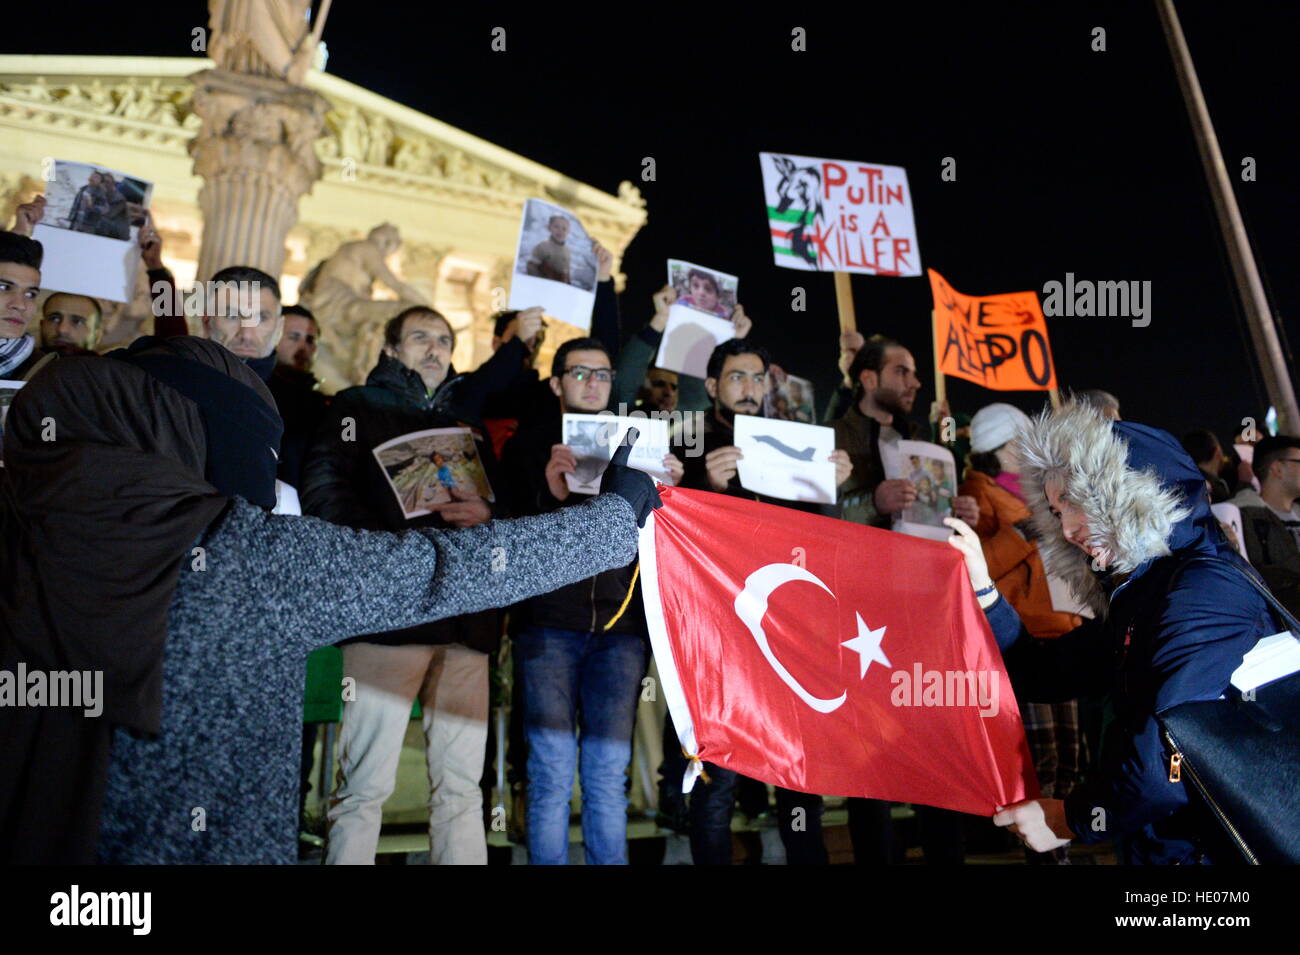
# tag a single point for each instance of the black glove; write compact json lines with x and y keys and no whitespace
{"x":635,"y":487}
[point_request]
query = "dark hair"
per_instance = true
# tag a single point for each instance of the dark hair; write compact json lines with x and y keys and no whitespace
{"x":870,"y":357}
{"x":572,"y":345}
{"x":1201,"y":444}
{"x":301,"y":313}
{"x":985,"y":462}
{"x":99,"y":310}
{"x":21,"y":250}
{"x":703,"y":276}
{"x":735,"y":346}
{"x":246,"y":273}
{"x":502,"y":321}
{"x":393,"y":330}
{"x":1099,"y":399}
{"x":1271,"y":449}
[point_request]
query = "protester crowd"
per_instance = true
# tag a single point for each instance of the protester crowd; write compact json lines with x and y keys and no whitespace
{"x":182,"y":445}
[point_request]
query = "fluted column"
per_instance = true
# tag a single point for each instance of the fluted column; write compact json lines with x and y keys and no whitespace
{"x":255,"y":155}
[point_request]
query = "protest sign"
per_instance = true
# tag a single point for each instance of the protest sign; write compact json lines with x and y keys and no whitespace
{"x":555,"y":265}
{"x":833,"y":215}
{"x":789,"y":397}
{"x":423,"y":467}
{"x":786,"y":459}
{"x":998,"y":341}
{"x":8,"y":389}
{"x":90,"y":231}
{"x":593,"y":439}
{"x":699,"y":320}
{"x":933,"y":472}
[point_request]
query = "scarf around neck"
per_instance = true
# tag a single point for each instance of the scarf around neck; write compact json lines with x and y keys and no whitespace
{"x":15,"y":351}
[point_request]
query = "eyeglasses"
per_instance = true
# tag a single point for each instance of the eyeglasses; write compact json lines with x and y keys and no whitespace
{"x":582,"y":373}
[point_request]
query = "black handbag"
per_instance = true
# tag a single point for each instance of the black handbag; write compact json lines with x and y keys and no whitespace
{"x":1241,"y":755}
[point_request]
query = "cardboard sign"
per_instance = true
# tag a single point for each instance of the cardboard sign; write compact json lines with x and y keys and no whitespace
{"x":998,"y":341}
{"x":833,"y":215}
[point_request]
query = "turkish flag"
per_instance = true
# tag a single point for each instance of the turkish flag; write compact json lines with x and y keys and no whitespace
{"x":828,"y":657}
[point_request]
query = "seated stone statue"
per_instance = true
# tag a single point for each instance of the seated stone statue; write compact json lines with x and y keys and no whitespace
{"x":339,"y":293}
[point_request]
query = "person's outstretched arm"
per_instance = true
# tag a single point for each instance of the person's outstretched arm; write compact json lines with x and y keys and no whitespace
{"x":321,"y":583}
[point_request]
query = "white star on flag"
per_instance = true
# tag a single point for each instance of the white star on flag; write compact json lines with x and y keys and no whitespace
{"x":867,"y":646}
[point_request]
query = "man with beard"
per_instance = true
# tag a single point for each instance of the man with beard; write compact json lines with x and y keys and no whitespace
{"x":293,"y":386}
{"x":737,"y":382}
{"x":885,"y":384}
{"x":71,"y":324}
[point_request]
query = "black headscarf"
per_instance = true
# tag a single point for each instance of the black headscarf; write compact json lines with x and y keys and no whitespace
{"x":113,"y":469}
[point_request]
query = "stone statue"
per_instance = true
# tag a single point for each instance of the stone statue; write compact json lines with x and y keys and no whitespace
{"x":269,"y":38}
{"x":339,"y":292}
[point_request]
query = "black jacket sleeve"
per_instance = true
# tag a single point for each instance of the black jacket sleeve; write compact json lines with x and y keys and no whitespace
{"x":332,"y":472}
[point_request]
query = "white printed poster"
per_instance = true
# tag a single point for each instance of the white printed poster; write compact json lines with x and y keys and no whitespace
{"x":555,"y":265}
{"x":424,"y":467}
{"x":933,"y":473}
{"x":90,"y":230}
{"x":8,"y":388}
{"x":788,"y":397}
{"x":835,"y":215}
{"x":700,"y":318}
{"x":594,"y":438}
{"x":786,"y":459}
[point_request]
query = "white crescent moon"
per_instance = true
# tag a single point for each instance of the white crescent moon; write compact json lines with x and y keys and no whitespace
{"x":751,"y":607}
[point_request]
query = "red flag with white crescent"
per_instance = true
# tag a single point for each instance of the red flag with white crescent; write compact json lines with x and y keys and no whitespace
{"x":827,"y":657}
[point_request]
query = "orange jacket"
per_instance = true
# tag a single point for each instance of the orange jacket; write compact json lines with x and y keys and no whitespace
{"x":1013,"y":562}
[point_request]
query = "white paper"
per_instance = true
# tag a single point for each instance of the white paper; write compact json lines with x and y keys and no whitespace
{"x":286,"y":499}
{"x":1272,"y":658}
{"x":423,"y":467}
{"x":1230,"y":514}
{"x":8,"y":388}
{"x":834,"y":215}
{"x":91,"y":243}
{"x":1063,"y":601}
{"x":786,"y":459}
{"x":689,"y":340}
{"x":567,"y":296}
{"x":716,"y":298}
{"x":595,"y":437}
{"x":932,"y":470}
{"x":788,"y":397}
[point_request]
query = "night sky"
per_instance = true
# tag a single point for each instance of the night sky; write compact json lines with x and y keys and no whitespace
{"x":1067,"y":160}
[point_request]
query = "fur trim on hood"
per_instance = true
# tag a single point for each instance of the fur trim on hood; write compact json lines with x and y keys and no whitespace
{"x":1133,"y":501}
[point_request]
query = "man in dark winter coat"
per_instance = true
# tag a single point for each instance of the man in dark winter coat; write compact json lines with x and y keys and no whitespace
{"x":413,"y":388}
{"x":581,"y":648}
{"x":1120,"y":509}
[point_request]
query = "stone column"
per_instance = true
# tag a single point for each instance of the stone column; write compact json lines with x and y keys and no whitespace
{"x":255,"y":154}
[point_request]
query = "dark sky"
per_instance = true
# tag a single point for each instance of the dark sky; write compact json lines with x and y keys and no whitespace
{"x":1068,"y":160}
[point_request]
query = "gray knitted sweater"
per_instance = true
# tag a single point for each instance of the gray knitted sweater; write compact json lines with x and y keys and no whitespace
{"x":219,"y":784}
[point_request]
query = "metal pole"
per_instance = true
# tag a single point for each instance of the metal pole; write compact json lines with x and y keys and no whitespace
{"x":1259,"y":317}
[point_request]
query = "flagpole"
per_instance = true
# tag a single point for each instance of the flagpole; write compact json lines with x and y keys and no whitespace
{"x":1259,"y":316}
{"x":844,"y":302}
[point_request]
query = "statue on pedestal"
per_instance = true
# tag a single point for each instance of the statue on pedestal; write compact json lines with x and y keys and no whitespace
{"x":339,"y":292}
{"x":263,"y":37}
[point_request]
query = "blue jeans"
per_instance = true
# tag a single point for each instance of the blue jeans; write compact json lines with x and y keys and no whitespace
{"x":583,"y":683}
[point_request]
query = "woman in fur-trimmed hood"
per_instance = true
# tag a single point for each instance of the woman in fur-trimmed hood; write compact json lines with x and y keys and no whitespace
{"x":1120,"y":507}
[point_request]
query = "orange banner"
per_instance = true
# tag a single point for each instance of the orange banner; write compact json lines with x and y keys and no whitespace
{"x":998,"y":341}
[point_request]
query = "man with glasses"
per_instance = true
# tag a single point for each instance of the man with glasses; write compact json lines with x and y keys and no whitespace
{"x":582,"y":650}
{"x":413,"y":387}
{"x":1272,"y":530}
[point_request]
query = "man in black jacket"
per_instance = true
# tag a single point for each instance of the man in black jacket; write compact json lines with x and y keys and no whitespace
{"x":412,"y":388}
{"x":294,"y":387}
{"x":885,"y":385}
{"x":582,"y":648}
{"x":736,"y":383}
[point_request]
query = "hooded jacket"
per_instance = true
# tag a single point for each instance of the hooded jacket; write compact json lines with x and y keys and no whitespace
{"x":1158,"y":641}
